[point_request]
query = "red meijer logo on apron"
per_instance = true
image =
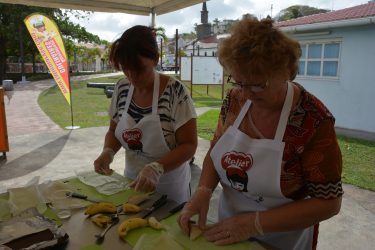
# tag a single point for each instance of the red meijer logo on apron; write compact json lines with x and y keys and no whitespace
{"x":133,"y":138}
{"x":236,"y":164}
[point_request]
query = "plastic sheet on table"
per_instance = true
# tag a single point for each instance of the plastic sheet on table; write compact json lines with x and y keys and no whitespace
{"x":104,"y":184}
{"x":26,"y":197}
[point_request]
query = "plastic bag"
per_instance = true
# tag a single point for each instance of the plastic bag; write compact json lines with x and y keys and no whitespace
{"x":104,"y":184}
{"x":27,"y":197}
{"x":5,"y":210}
{"x":54,"y":192}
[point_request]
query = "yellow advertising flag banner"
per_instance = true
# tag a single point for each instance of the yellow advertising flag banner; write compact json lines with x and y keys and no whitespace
{"x":47,"y":38}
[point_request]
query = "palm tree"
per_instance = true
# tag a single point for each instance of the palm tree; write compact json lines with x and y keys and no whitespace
{"x":160,"y":33}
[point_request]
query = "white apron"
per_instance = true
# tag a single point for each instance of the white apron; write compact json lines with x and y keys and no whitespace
{"x":144,"y":143}
{"x":249,"y":171}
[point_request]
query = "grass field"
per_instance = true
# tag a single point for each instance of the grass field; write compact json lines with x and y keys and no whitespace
{"x":90,"y":107}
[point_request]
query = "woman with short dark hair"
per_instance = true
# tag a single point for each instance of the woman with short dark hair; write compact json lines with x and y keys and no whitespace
{"x":152,"y":117}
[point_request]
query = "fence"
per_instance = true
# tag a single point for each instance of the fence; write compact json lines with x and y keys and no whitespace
{"x":16,"y":68}
{"x":42,"y":68}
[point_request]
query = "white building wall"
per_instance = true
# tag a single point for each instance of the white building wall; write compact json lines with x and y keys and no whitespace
{"x":351,"y":98}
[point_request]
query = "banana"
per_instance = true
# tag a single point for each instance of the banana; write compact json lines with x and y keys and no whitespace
{"x":195,"y":232}
{"x":131,"y":208}
{"x":139,"y":198}
{"x":154,"y":223}
{"x":101,"y":220}
{"x":130,"y":224}
{"x":102,"y":207}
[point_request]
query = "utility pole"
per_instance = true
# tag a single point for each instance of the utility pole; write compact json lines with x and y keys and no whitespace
{"x":161,"y":54}
{"x":176,"y":54}
{"x":271,"y":10}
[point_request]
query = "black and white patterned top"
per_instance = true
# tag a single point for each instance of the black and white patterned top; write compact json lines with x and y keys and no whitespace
{"x":175,"y":107}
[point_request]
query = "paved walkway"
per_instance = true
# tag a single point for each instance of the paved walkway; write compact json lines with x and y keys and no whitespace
{"x":39,"y":148}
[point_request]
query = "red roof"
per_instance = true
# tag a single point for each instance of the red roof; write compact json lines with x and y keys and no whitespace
{"x":360,"y":11}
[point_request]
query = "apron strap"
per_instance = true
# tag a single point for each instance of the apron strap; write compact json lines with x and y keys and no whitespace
{"x":129,"y":98}
{"x":155,"y":95}
{"x":284,"y":116}
{"x":242,"y":114}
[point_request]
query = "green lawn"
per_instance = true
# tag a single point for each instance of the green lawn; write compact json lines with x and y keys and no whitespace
{"x":90,"y":106}
{"x":204,"y":97}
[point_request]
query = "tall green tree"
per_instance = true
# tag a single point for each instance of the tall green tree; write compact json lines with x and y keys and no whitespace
{"x":189,"y":36}
{"x":296,"y":11}
{"x":160,"y":33}
{"x":13,"y":32}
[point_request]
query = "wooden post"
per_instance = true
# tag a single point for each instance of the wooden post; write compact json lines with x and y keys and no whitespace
{"x":222,"y":87}
{"x":176,"y":54}
{"x":191,"y":76}
{"x":161,"y":54}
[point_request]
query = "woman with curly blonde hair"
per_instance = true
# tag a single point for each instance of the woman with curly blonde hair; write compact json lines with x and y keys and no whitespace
{"x":274,"y":152}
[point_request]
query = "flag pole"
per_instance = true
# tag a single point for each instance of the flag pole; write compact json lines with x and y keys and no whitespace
{"x":71,"y":102}
{"x":47,"y":38}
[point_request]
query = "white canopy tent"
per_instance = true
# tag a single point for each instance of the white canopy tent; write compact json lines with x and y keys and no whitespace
{"x":136,"y":7}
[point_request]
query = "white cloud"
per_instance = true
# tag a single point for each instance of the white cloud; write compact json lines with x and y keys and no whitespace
{"x":109,"y":26}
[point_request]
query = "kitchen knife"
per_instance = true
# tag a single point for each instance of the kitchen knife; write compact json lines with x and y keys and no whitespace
{"x":156,"y":205}
{"x":168,"y":209}
{"x":81,"y":196}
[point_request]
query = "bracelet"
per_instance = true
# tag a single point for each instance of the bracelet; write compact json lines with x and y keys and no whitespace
{"x":110,"y":151}
{"x":258,"y":226}
{"x":205,"y":189}
{"x":157,"y":167}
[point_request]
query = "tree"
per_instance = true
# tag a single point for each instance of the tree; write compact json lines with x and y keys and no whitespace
{"x":216,"y":21}
{"x":160,"y":33}
{"x":87,"y":55}
{"x":189,"y":36}
{"x":296,"y":11}
{"x":11,"y":26}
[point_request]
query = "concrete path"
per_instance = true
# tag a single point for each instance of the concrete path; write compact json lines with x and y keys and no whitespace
{"x":39,"y":148}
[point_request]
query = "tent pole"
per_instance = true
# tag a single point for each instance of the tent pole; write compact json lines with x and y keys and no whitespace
{"x":153,"y":18}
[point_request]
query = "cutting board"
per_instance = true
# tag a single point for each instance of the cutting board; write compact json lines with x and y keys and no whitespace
{"x":78,"y":225}
{"x":201,"y":243}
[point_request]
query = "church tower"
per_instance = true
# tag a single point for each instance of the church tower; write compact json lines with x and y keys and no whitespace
{"x":204,"y":14}
{"x":204,"y":29}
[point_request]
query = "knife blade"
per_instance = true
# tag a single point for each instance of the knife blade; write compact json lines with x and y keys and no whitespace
{"x":156,"y":205}
{"x":168,"y":209}
{"x":81,"y":196}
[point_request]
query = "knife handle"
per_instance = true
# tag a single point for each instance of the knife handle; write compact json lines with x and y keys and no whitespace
{"x":177,"y":208}
{"x":160,"y":202}
{"x":77,"y":195}
{"x":157,"y":204}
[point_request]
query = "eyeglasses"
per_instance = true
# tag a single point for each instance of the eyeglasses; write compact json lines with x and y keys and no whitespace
{"x":252,"y":87}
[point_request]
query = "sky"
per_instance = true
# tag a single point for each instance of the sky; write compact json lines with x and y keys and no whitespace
{"x":110,"y":26}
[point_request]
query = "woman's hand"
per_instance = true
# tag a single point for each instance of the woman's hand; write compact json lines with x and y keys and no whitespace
{"x":234,"y":229}
{"x":148,"y":177}
{"x":101,"y":164}
{"x":198,"y":204}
